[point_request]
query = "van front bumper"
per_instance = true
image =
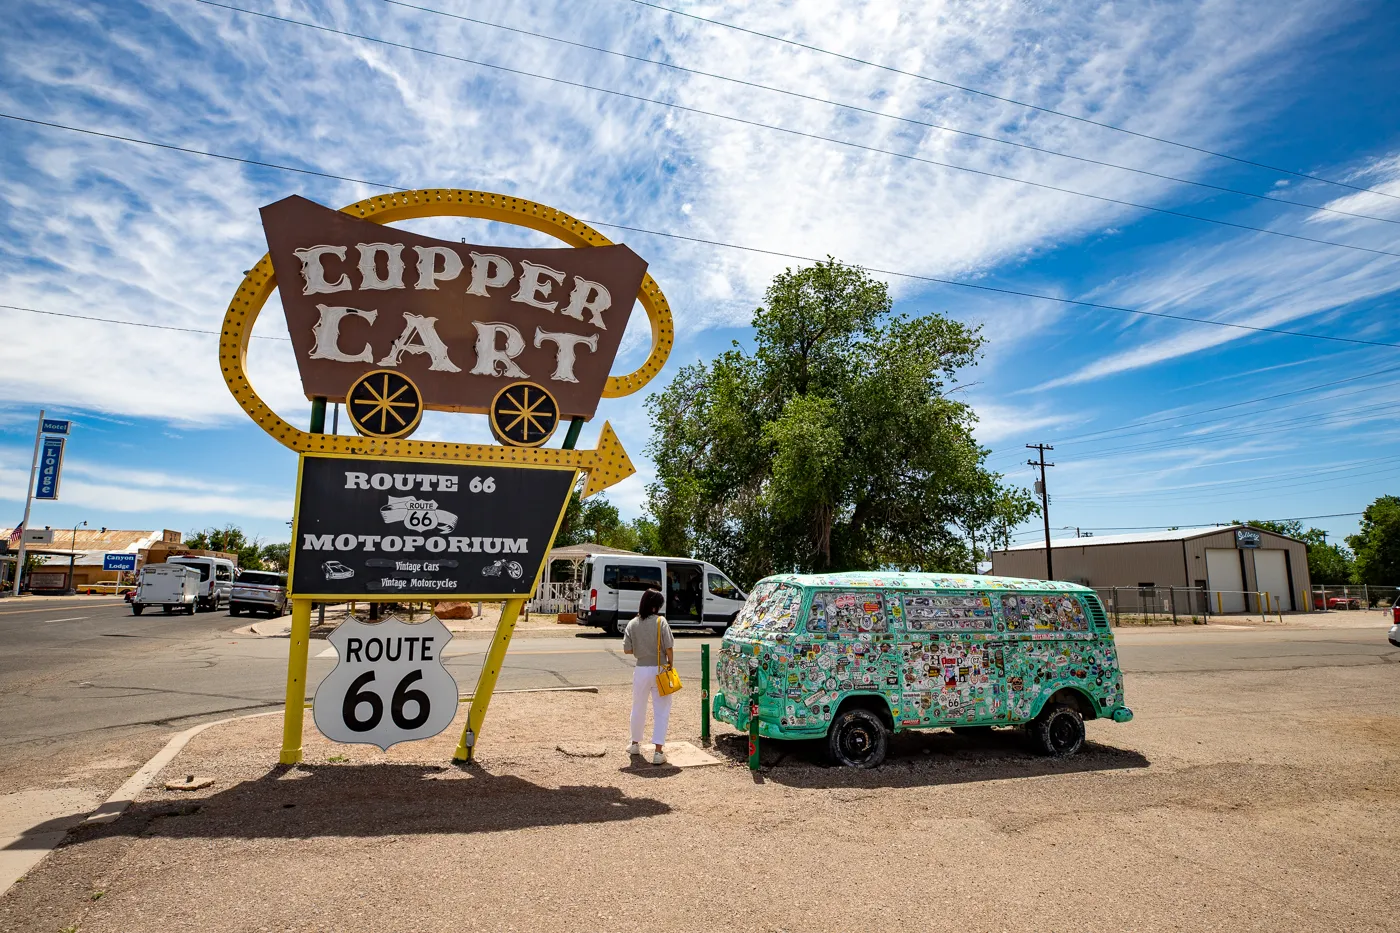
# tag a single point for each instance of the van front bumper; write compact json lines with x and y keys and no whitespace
{"x":1122,"y":714}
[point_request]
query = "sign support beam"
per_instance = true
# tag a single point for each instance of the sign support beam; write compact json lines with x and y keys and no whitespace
{"x":295,"y":708}
{"x":28,"y":500}
{"x":486,"y":680}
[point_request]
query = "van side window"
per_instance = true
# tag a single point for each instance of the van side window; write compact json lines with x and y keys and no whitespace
{"x":223,"y":573}
{"x":720,"y":586}
{"x":848,"y":612}
{"x":630,"y":577}
{"x":934,"y":611}
{"x":1044,"y":613}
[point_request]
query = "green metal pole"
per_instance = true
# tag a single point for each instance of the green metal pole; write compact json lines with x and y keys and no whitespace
{"x":318,"y":415}
{"x":753,"y":720}
{"x":575,"y":428}
{"x":705,"y":694}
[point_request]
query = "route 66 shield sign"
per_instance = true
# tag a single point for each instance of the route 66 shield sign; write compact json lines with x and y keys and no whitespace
{"x":389,"y":685}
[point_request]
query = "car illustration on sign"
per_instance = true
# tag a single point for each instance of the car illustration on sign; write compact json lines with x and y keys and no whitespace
{"x":335,"y":570}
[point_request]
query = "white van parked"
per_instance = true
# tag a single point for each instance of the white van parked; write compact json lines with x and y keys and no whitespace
{"x":698,"y":594}
{"x":215,"y":579}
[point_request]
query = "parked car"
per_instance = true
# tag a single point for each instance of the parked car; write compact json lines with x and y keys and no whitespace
{"x":259,"y":591}
{"x":170,"y":586}
{"x":1395,"y":626}
{"x":1345,"y":602}
{"x":215,"y":579}
{"x":698,"y":594}
{"x":853,"y":657}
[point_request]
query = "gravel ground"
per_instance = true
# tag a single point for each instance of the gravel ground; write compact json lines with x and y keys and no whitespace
{"x":1248,"y":801}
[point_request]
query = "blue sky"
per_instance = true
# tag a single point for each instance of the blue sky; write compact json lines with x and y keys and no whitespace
{"x":1133,"y":404}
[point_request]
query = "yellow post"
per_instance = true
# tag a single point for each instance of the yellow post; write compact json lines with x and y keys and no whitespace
{"x":1219,"y":603}
{"x":299,"y":644}
{"x":486,"y":682}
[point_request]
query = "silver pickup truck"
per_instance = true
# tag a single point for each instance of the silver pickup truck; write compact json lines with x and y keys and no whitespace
{"x":259,"y":591}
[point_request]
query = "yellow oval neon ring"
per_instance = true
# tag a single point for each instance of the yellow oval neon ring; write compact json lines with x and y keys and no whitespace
{"x":258,"y":284}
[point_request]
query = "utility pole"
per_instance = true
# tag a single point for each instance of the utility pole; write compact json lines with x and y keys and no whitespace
{"x":1044,"y":503}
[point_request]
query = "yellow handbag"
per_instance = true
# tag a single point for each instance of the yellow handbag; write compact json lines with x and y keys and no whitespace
{"x":667,"y":680}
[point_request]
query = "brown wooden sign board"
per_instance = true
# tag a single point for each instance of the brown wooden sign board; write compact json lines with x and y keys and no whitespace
{"x":462,"y":321}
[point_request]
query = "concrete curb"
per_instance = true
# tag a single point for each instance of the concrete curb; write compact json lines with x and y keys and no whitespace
{"x":117,"y":803}
{"x":125,"y":795}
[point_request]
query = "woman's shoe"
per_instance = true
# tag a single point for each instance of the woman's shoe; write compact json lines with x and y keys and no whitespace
{"x":634,"y":749}
{"x":658,"y":758}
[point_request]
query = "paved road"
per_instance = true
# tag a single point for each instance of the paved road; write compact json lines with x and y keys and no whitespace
{"x":74,"y":667}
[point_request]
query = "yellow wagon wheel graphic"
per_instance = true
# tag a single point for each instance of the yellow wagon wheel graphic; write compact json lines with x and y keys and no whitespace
{"x":524,"y":414}
{"x":384,"y":403}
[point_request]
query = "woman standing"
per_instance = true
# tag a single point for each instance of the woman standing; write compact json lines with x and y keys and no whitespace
{"x":648,"y":638}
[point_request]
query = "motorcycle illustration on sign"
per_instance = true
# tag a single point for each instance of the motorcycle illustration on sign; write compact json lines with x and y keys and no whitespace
{"x":388,"y":685}
{"x":510,"y":568}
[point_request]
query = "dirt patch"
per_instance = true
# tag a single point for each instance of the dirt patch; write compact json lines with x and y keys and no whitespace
{"x":1268,"y":807}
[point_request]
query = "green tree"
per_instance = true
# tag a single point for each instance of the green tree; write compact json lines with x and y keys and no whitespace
{"x":1328,"y":564}
{"x":277,"y":556}
{"x":229,"y":539}
{"x":1377,"y":545}
{"x":834,"y":445}
{"x":597,"y":521}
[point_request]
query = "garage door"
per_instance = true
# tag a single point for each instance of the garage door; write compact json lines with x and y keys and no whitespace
{"x":1271,"y":570}
{"x":1223,"y":579}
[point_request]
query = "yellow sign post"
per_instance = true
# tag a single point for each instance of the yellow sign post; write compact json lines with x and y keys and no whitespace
{"x":384,"y":378}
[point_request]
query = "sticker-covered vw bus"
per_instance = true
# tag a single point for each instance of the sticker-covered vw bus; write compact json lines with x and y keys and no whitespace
{"x":853,"y":657}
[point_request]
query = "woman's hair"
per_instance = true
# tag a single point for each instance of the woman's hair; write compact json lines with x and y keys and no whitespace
{"x":652,"y":603}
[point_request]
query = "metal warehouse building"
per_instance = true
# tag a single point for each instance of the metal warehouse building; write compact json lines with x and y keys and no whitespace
{"x":1234,"y":565}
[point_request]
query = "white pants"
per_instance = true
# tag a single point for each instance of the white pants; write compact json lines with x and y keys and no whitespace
{"x":643,"y":686}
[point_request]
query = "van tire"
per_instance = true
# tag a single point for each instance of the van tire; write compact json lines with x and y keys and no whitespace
{"x":136,"y":610}
{"x":619,"y":626}
{"x":858,"y":738}
{"x":1058,"y":732}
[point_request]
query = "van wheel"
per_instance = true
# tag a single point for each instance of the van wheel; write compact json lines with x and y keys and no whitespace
{"x":169,"y":610}
{"x":619,"y":627}
{"x":137,"y":610}
{"x":189,"y":610}
{"x":858,"y":739}
{"x":1057,"y":732}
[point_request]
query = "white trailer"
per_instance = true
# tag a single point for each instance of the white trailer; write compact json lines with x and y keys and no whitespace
{"x":170,"y":586}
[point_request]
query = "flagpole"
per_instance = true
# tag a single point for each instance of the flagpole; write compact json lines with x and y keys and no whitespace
{"x":28,"y":499}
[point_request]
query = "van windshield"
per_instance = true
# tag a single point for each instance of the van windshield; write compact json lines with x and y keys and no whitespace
{"x":771,"y":607}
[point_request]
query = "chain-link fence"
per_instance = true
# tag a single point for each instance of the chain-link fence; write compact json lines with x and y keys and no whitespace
{"x":1146,"y":605}
{"x":1346,"y":598}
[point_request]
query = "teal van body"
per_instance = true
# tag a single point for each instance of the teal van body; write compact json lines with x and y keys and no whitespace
{"x":920,"y":650}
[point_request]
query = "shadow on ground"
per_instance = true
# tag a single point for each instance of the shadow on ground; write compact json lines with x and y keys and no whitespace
{"x":921,"y":759}
{"x":370,"y":800}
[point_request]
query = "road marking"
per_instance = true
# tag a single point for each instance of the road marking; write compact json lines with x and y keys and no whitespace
{"x":329,"y":652}
{"x":15,"y":612}
{"x":72,"y":619}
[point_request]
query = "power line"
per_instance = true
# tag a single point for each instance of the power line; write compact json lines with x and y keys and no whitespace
{"x":793,"y":132}
{"x":109,"y":320}
{"x":1078,"y":438}
{"x":992,"y":289}
{"x":1008,"y":100}
{"x":660,"y":63}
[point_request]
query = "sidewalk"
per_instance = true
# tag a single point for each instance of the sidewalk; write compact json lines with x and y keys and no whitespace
{"x":1231,"y":802}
